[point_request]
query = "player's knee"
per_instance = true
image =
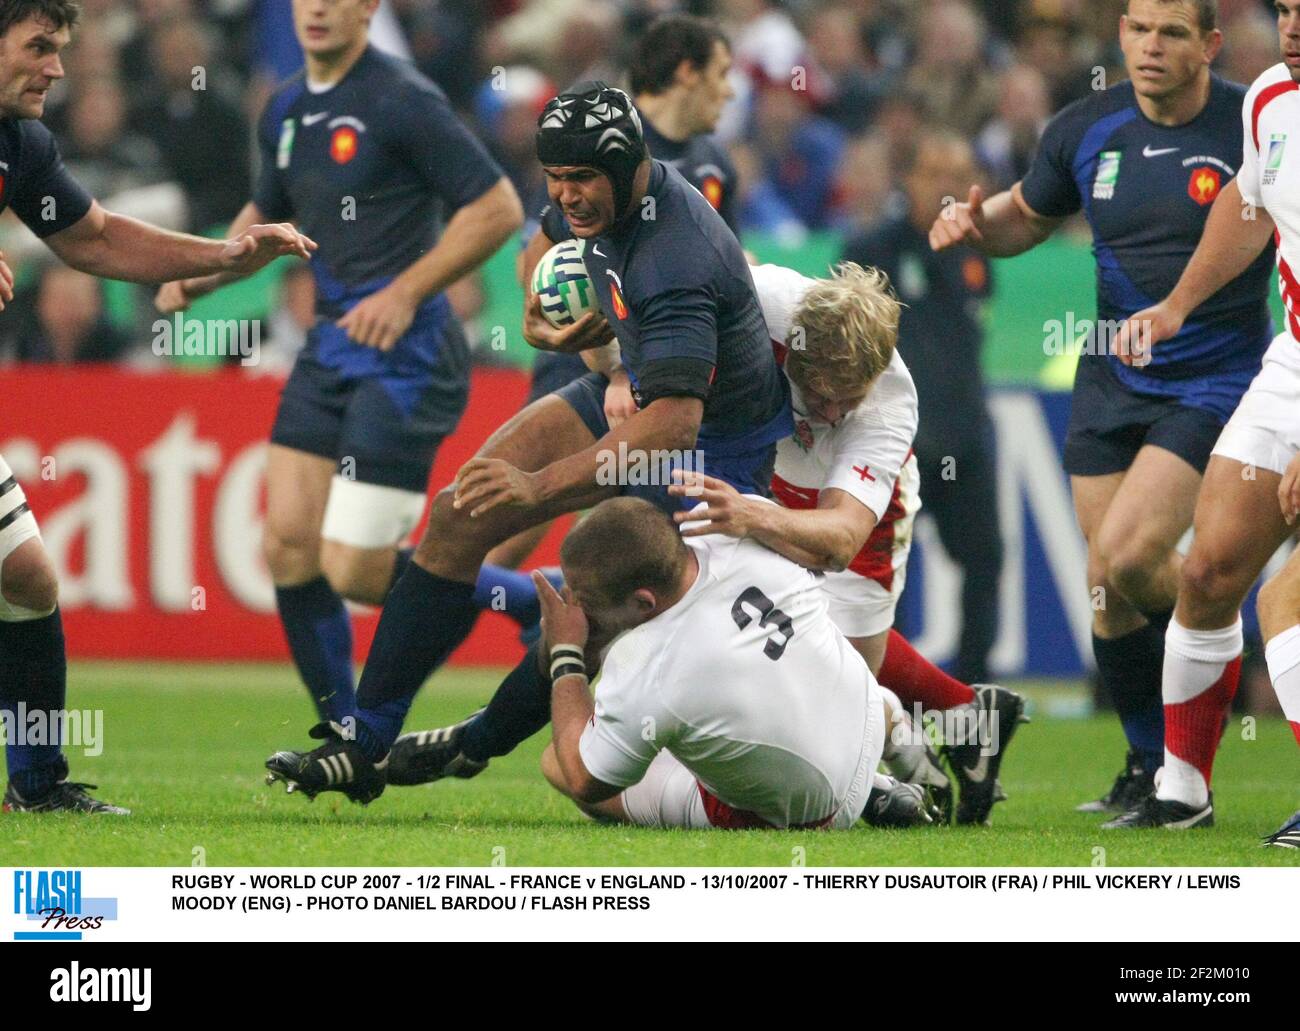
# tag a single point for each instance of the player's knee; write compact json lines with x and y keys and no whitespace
{"x":1128,"y":563}
{"x":452,"y":531}
{"x":1208,"y":579}
{"x":357,"y":574}
{"x":1132,"y":570}
{"x":290,"y":555}
{"x":28,"y":581}
{"x":1098,"y":573}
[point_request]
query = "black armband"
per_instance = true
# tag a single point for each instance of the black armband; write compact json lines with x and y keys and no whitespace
{"x":674,"y":377}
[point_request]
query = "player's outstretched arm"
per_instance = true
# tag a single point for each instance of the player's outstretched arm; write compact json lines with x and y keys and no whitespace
{"x":118,"y":247}
{"x":1001,"y":227}
{"x":472,"y":236}
{"x":826,"y":537}
{"x":1234,"y":236}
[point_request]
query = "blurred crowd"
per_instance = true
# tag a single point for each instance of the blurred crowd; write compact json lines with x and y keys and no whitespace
{"x":155,"y":114}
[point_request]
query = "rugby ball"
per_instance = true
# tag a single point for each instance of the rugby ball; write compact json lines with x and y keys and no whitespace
{"x":561,"y":282}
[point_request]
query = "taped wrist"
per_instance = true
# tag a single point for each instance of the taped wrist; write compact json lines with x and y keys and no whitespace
{"x":567,"y":660}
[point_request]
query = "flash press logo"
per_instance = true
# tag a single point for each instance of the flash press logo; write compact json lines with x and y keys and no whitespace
{"x":75,"y":983}
{"x":208,"y":338}
{"x":54,"y":899}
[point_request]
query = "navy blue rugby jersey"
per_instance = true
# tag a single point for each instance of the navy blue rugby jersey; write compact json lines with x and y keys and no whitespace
{"x":676,"y":286}
{"x":369,"y":168}
{"x":1146,"y":190}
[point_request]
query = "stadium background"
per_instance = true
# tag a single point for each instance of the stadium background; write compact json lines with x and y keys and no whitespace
{"x":150,"y":503}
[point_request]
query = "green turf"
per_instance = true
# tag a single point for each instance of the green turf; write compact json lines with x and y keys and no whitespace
{"x":184,"y":747}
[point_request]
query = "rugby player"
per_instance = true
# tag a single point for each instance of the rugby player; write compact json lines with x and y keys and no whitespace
{"x":728,"y":699}
{"x":847,"y":483}
{"x":35,"y":184}
{"x":368,"y":155}
{"x":1239,"y":522}
{"x":679,"y":74}
{"x":1144,"y":161}
{"x":674,"y":286}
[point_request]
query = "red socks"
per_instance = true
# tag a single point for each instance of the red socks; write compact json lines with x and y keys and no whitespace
{"x":914,"y":678}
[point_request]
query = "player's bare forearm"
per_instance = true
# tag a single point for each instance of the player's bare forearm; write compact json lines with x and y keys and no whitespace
{"x":667,"y":424}
{"x":119,"y":247}
{"x":826,"y":537}
{"x":1001,"y":227}
{"x":473,"y":235}
{"x":784,"y":546}
{"x":818,"y":538}
{"x":1234,"y":237}
{"x":571,"y":710}
{"x":1011,"y":226}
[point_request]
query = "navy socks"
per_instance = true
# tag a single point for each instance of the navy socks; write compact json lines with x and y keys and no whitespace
{"x":319,"y":631}
{"x":1131,"y":667}
{"x":34,"y":672}
{"x":519,"y":709}
{"x":425,"y":618}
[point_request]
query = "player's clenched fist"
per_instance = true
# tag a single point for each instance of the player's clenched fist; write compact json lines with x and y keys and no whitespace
{"x":1136,"y":338}
{"x":589,"y":331}
{"x":620,"y":405}
{"x":172,"y":297}
{"x":260,"y":245}
{"x":959,"y":223}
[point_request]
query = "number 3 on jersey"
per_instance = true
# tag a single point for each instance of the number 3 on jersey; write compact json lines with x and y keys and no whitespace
{"x":769,"y":614}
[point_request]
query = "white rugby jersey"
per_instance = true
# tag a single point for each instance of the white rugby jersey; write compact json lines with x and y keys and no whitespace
{"x":1270,"y":173}
{"x":748,"y":683}
{"x":865,"y":452}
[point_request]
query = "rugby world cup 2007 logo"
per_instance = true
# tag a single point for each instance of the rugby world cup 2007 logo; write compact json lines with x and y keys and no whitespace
{"x":1103,"y":187}
{"x":1273,"y":162}
{"x":54,"y":906}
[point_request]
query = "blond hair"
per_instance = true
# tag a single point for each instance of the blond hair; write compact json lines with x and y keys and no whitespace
{"x":843,"y":333}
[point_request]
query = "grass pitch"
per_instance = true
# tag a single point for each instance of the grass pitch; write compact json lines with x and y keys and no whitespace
{"x":184,"y":746}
